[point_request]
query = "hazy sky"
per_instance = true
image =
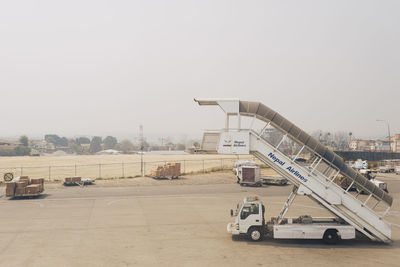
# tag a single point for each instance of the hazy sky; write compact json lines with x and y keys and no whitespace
{"x":105,"y":67}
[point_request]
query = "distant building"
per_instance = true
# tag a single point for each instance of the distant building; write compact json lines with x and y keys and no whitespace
{"x":42,"y":146}
{"x":395,"y":143}
{"x":382,"y":146}
{"x":5,"y":142}
{"x":7,"y":147}
{"x":376,"y":145}
{"x":361,"y":145}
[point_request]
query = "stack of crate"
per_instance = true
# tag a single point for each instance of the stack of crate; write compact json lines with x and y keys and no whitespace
{"x":37,"y":182}
{"x":167,"y":170}
{"x":72,"y":180}
{"x":10,"y":189}
{"x":25,"y":186}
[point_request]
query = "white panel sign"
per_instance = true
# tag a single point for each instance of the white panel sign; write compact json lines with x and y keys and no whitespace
{"x":234,"y":143}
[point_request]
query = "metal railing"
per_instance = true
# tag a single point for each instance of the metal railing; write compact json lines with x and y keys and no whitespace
{"x":121,"y":169}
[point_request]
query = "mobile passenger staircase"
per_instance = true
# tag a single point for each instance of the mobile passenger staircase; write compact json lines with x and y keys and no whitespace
{"x":309,"y":165}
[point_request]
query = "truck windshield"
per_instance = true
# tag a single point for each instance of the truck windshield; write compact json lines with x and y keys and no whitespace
{"x":249,"y":209}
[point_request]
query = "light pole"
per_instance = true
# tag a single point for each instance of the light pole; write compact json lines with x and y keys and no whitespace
{"x":390,"y":140}
{"x":350,"y":134}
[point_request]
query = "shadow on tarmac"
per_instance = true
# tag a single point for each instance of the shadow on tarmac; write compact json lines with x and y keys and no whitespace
{"x":41,"y":196}
{"x":359,"y":242}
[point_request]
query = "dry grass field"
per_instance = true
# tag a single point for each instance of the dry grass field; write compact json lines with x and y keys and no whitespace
{"x":110,"y":166}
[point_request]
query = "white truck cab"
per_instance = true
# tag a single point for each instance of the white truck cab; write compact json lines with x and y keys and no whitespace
{"x":249,"y":220}
{"x":248,"y":214}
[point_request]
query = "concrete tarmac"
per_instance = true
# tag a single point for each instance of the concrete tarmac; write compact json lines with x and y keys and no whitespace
{"x":168,"y":225}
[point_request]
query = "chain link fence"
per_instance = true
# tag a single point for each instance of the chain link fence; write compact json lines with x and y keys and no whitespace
{"x":119,"y":170}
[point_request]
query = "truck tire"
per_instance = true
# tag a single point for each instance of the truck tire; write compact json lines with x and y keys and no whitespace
{"x":255,"y":234}
{"x":331,"y":237}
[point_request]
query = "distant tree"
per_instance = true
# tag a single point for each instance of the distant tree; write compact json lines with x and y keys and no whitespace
{"x":146,"y":145}
{"x":52,"y":138}
{"x":22,"y":151}
{"x":75,"y":148}
{"x":110,"y":142}
{"x":125,"y":146}
{"x":71,"y":141}
{"x":341,"y":140}
{"x":95,"y":144}
{"x":24,"y":140}
{"x":56,"y":140}
{"x":196,"y":144}
{"x":63,"y":141}
{"x":82,"y":140}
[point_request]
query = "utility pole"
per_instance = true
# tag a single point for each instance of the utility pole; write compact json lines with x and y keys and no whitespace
{"x":141,"y":148}
{"x":350,"y":134}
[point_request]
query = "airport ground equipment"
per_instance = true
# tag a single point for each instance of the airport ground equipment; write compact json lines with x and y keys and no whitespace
{"x":167,"y":171}
{"x":23,"y":186}
{"x":279,"y":143}
{"x":250,"y":221}
{"x":76,"y":180}
{"x":386,"y":169}
{"x":274,"y":180}
{"x":247,"y":173}
{"x":363,"y":167}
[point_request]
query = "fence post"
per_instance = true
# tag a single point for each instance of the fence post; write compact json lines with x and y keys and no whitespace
{"x":75,"y":169}
{"x":99,"y":170}
{"x":49,"y":173}
{"x":22,"y":171}
{"x":123,"y":170}
{"x":204,"y":170}
{"x":144,"y":169}
{"x":222,"y":165}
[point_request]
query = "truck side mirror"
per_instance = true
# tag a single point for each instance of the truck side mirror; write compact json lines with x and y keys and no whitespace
{"x":231,"y":213}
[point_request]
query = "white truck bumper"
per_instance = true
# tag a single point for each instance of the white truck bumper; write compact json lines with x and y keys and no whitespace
{"x":231,"y":228}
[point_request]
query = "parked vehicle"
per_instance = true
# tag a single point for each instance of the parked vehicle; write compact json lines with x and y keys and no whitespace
{"x":362,"y":167}
{"x":386,"y":169}
{"x":315,"y":180}
{"x":250,"y":221}
{"x":247,"y":173}
{"x":274,"y":180}
{"x":397,"y":170}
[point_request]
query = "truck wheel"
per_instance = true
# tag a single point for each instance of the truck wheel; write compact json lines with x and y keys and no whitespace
{"x":331,"y":237}
{"x":255,"y":234}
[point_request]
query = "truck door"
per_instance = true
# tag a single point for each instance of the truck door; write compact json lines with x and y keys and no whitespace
{"x":250,"y":215}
